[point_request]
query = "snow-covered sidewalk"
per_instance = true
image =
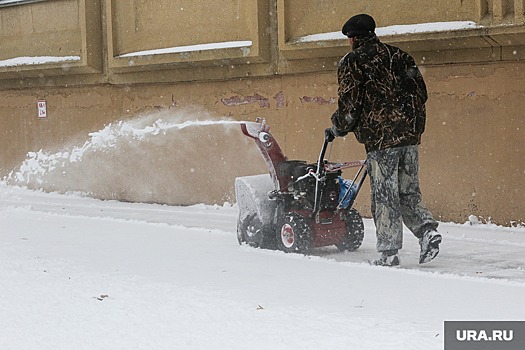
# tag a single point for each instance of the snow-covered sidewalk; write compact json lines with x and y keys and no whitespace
{"x":79,"y":273}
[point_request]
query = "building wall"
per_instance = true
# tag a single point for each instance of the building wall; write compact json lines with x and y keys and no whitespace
{"x":471,"y":152}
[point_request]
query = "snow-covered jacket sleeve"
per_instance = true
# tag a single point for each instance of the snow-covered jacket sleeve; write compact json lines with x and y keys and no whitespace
{"x":350,"y":96}
{"x":415,"y":87}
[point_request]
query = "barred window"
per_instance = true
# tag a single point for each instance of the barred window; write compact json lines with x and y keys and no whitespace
{"x":5,"y":3}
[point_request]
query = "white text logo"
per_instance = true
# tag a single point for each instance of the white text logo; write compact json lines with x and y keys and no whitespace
{"x":474,"y":335}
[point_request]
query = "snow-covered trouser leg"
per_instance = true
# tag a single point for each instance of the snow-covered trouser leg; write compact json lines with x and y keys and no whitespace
{"x":396,"y":197}
{"x":415,"y":214}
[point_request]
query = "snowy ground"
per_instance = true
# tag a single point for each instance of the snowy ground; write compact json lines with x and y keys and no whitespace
{"x":80,"y":273}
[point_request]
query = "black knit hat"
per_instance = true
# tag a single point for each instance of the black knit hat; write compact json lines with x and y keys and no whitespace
{"x":359,"y":25}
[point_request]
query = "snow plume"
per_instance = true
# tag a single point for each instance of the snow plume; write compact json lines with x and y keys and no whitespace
{"x":164,"y":157}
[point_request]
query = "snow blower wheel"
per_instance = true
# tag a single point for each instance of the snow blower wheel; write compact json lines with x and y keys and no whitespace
{"x":355,"y":231}
{"x":294,"y":234}
{"x":254,"y":225}
{"x":253,"y":232}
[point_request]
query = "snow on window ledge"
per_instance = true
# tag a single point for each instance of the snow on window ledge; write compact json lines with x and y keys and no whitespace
{"x":6,"y":3}
{"x":29,"y":61}
{"x":190,"y":48}
{"x":397,"y":30}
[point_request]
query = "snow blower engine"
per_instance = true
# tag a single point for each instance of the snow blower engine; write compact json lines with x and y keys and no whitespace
{"x":297,"y":206}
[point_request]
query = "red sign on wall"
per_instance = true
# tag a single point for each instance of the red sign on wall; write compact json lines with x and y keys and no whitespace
{"x":42,"y":109}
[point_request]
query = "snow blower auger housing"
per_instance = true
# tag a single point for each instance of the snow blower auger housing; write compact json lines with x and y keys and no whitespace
{"x":297,"y":206}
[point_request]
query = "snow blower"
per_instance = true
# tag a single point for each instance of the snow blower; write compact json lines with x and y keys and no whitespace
{"x":297,"y":206}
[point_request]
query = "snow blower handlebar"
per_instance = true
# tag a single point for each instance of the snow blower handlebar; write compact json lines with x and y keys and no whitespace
{"x":328,"y":137}
{"x":323,"y":167}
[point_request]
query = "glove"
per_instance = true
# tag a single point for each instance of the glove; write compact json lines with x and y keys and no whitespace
{"x":334,"y":130}
{"x":329,"y":135}
{"x":338,"y":133}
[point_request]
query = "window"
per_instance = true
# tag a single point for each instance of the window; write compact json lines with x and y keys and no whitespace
{"x":5,"y":3}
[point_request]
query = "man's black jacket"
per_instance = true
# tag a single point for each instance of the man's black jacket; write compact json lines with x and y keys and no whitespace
{"x":382,"y":96}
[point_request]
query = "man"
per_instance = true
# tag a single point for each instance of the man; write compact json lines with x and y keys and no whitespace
{"x":382,"y":99}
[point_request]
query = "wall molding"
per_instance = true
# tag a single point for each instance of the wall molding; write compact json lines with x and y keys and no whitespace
{"x":249,"y":38}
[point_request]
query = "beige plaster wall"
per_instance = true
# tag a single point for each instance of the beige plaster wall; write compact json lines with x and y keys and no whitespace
{"x":471,"y":152}
{"x":471,"y":156}
{"x":61,"y":34}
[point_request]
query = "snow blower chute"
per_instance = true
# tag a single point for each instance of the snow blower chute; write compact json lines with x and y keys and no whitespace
{"x":297,"y":206}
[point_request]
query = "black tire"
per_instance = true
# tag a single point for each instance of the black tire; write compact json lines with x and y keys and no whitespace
{"x":294,"y":234}
{"x":240,"y":234}
{"x":355,"y":231}
{"x":252,"y":231}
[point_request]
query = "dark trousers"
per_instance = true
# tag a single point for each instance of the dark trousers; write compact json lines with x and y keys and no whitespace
{"x":396,"y":197}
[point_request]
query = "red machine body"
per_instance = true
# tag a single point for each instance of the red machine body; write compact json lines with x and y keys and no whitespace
{"x":299,"y":206}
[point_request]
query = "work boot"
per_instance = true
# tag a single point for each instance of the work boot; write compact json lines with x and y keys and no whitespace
{"x":429,"y":244}
{"x":388,"y":258}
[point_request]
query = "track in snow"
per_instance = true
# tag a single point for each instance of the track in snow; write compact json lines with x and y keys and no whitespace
{"x":474,"y":251}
